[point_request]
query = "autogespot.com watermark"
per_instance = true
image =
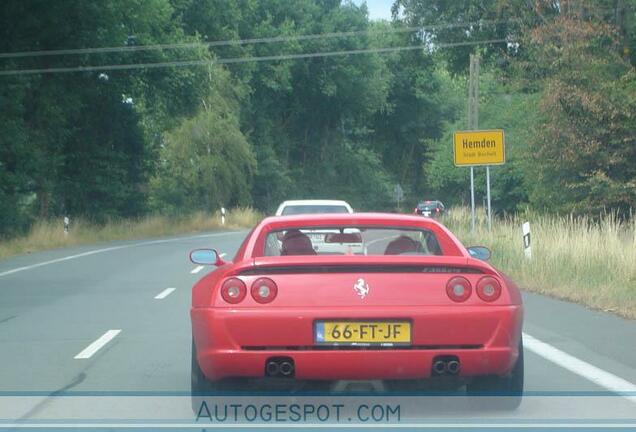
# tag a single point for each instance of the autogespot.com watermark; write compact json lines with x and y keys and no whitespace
{"x":183,"y":411}
{"x":298,"y":413}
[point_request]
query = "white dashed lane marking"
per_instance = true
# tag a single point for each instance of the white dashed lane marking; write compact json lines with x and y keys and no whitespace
{"x":196,"y":270}
{"x":88,"y":352}
{"x":165,"y":293}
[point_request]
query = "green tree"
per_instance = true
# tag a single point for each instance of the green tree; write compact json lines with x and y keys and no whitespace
{"x":84,"y":142}
{"x":205,"y":162}
{"x":473,"y":21}
{"x":584,"y":150}
{"x":416,"y":107}
{"x":302,"y":116}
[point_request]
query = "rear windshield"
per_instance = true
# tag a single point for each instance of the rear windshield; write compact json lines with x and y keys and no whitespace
{"x":313,"y":209}
{"x":351,"y":241}
{"x":427,"y":206}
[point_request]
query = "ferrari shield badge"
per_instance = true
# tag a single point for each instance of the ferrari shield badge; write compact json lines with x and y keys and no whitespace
{"x":361,"y":287}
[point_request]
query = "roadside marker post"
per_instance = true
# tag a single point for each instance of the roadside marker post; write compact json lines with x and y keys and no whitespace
{"x":67,"y":223}
{"x":222,"y":215}
{"x":527,"y":250}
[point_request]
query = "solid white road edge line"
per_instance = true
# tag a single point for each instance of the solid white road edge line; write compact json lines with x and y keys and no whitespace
{"x":98,"y":251}
{"x":575,"y":365}
{"x":196,"y":270}
{"x":165,"y":293}
{"x":97,"y":345}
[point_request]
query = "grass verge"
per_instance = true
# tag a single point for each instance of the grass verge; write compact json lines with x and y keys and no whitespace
{"x":50,"y":234}
{"x":592,"y":262}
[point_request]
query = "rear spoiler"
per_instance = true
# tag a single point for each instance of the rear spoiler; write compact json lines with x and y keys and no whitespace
{"x":347,"y":268}
{"x":364,"y":264}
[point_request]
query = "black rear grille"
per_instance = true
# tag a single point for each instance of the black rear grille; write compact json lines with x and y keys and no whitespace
{"x":358,"y":269}
{"x":360,"y":347}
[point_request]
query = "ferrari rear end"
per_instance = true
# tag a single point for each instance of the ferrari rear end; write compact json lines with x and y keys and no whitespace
{"x":405,"y":316}
{"x":354,"y":323}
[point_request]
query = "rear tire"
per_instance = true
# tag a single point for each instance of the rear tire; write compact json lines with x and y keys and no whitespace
{"x":201,"y":387}
{"x":509,"y":388}
{"x":199,"y":384}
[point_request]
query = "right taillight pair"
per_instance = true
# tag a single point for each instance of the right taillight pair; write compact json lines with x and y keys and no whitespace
{"x":263,"y":290}
{"x":459,"y":289}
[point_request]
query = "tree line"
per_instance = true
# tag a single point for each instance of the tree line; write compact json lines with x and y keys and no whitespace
{"x":212,"y":127}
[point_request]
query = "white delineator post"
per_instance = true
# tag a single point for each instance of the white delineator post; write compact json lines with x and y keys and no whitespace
{"x":527,"y":250}
{"x":222,"y":215}
{"x":67,"y":223}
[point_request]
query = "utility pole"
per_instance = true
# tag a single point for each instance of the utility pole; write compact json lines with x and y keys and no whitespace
{"x":473,"y":124}
{"x":473,"y":121}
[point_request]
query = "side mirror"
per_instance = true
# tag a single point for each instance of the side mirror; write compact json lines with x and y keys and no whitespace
{"x":479,"y":252}
{"x":206,"y":257}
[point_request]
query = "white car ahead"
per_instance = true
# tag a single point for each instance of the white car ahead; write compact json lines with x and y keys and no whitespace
{"x":313,"y":206}
{"x":325,"y":241}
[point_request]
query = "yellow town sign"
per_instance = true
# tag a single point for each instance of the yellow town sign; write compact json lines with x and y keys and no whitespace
{"x":485,"y":147}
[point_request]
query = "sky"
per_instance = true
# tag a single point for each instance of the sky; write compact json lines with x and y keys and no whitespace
{"x":378,"y":9}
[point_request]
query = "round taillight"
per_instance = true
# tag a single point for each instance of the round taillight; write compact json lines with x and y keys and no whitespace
{"x":488,"y":289}
{"x":233,"y":290}
{"x":458,"y":289}
{"x":264,"y":290}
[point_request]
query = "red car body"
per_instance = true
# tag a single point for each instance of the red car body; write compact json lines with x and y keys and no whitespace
{"x":238,"y":340}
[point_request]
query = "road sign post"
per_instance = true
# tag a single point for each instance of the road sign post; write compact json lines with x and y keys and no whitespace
{"x":488,"y":196}
{"x":472,"y":199}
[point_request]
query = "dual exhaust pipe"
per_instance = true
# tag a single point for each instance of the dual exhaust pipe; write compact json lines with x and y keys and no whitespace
{"x":446,"y":365}
{"x":284,"y":366}
{"x":279,"y":367}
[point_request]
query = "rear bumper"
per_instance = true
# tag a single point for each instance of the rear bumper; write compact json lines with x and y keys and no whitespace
{"x":238,"y":342}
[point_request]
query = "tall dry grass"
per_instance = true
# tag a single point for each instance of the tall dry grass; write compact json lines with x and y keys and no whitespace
{"x":588,"y":261}
{"x":50,"y":234}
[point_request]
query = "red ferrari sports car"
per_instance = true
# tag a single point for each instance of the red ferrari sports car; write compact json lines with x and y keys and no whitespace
{"x":398,"y":297}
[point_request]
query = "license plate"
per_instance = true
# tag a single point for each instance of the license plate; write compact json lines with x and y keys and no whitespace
{"x":426,"y":213}
{"x":363,"y":332}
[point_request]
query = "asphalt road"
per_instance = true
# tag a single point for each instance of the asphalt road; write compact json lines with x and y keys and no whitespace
{"x":55,"y":305}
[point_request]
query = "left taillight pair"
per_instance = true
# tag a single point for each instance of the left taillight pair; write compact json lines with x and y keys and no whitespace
{"x":263,"y":290}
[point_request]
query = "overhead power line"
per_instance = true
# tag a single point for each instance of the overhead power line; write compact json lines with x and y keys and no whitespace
{"x":238,"y":59}
{"x":274,"y":39}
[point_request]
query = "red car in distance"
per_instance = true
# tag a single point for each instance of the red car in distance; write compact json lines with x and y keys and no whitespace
{"x":412,"y":303}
